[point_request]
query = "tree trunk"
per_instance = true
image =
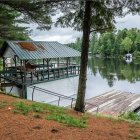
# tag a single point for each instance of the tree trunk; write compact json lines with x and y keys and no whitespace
{"x":80,"y":102}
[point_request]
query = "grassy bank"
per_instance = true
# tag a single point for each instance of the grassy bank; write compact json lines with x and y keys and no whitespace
{"x":45,"y":111}
{"x":22,"y":119}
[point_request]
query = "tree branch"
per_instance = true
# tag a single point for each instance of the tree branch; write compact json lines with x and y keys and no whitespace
{"x":103,"y":29}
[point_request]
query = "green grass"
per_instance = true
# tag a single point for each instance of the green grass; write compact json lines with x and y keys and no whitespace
{"x":67,"y":119}
{"x":37,"y":108}
{"x":22,"y":108}
{"x":130,"y":116}
{"x":55,"y":109}
{"x":58,"y":114}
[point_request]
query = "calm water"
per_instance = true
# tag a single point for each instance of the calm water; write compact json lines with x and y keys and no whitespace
{"x":103,"y":75}
{"x":107,"y":74}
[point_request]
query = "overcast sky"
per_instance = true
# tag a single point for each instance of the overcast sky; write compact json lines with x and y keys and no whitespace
{"x":68,"y":35}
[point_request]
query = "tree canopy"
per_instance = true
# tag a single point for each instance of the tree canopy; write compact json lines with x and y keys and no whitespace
{"x":115,"y":43}
{"x":14,"y":14}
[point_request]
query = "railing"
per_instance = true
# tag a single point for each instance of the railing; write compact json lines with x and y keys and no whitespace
{"x":52,"y":93}
{"x":59,"y":97}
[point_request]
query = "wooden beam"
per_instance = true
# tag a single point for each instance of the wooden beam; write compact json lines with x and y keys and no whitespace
{"x":3,"y":58}
{"x":43,"y":69}
{"x":48,"y":69}
{"x":15,"y":58}
{"x":7,"y":84}
{"x":24,"y":85}
{"x":24,"y":70}
{"x":31,"y":77}
{"x":58,"y":67}
{"x":24,"y":91}
{"x":67,"y":63}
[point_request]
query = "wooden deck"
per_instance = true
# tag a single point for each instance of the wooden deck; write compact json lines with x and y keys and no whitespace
{"x":114,"y":103}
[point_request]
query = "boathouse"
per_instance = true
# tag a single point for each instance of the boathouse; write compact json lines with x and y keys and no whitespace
{"x":30,"y":62}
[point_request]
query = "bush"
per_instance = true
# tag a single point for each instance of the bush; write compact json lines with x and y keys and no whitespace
{"x":136,"y":54}
{"x":130,"y":116}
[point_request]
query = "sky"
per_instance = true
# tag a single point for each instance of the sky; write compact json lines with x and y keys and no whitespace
{"x":68,"y":35}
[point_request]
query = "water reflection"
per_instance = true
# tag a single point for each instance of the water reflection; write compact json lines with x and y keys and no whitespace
{"x":115,"y":70}
{"x":103,"y":76}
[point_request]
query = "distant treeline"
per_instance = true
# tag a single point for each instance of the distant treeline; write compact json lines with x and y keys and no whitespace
{"x":116,"y":43}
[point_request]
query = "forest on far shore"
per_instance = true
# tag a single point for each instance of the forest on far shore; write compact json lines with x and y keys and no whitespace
{"x":113,"y":44}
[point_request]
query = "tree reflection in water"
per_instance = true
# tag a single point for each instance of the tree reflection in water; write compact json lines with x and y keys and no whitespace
{"x":113,"y":69}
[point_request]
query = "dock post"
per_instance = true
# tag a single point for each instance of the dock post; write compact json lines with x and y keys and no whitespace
{"x":24,"y":91}
{"x":15,"y":61}
{"x":4,"y":69}
{"x":43,"y":69}
{"x":67,"y":63}
{"x":48,"y":69}
{"x":58,"y":63}
{"x":24,"y":85}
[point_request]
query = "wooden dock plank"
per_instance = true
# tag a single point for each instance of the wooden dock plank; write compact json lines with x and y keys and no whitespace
{"x":114,"y":102}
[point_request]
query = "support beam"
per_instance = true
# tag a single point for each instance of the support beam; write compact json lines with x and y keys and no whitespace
{"x":3,"y":58}
{"x":48,"y":69}
{"x":24,"y":91}
{"x":3,"y":63}
{"x":24,"y":86}
{"x":15,"y":61}
{"x":67,"y":64}
{"x":31,"y":77}
{"x":43,"y":69}
{"x":58,"y":63}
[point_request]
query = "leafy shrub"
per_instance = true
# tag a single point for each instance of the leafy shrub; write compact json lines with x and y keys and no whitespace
{"x":130,"y":116}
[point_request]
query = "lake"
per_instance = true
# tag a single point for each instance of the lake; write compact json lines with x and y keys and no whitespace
{"x":107,"y":74}
{"x":103,"y":75}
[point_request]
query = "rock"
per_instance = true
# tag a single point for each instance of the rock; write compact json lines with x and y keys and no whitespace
{"x":54,"y":130}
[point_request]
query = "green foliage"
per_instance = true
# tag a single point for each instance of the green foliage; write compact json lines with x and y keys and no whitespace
{"x":76,"y":45}
{"x":37,"y":107}
{"x":55,"y":109}
{"x":21,"y":107}
{"x":114,"y":44}
{"x":127,"y":44}
{"x":9,"y":27}
{"x":55,"y":113}
{"x":136,"y":53}
{"x":16,"y":15}
{"x":130,"y":116}
{"x":66,"y":119}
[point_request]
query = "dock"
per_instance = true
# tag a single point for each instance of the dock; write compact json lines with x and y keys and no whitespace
{"x":114,"y":103}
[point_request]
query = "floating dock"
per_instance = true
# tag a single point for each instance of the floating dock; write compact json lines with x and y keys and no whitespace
{"x":114,"y":103}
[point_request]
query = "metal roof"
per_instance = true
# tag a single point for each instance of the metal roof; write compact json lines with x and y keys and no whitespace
{"x":51,"y":49}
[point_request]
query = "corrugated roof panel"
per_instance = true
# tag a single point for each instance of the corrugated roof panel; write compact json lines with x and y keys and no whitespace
{"x":58,"y":53}
{"x":50,"y":50}
{"x":44,"y":49}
